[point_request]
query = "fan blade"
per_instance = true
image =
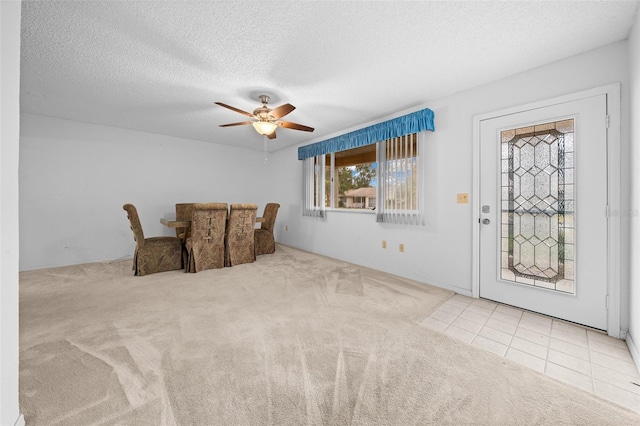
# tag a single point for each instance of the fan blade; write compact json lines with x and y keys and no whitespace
{"x":241,"y":123}
{"x":281,"y":111}
{"x":248,"y":114}
{"x":295,"y":126}
{"x":272,"y":135}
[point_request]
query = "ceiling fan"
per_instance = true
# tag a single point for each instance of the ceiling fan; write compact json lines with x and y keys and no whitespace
{"x":266,"y":120}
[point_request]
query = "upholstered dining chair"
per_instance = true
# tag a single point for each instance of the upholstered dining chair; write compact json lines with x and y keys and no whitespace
{"x":239,"y":237}
{"x":184,"y":211}
{"x":155,"y":254}
{"x":205,"y":247}
{"x":265,"y":241}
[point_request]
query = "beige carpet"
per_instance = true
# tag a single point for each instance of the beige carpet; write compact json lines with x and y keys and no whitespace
{"x":292,"y":339}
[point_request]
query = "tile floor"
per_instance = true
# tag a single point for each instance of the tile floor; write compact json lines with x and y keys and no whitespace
{"x":576,"y":355}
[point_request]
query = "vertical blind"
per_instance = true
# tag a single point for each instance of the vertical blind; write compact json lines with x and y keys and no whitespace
{"x":400,"y":184}
{"x":313,"y":187}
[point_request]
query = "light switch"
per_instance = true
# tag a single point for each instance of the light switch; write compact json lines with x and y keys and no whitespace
{"x":463,"y":198}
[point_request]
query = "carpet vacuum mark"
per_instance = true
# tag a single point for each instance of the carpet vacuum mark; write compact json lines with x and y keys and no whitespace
{"x":292,"y":339}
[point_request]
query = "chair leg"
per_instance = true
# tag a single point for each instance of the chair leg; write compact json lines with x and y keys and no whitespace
{"x":185,"y":259}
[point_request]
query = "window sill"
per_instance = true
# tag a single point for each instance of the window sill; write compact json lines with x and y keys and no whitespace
{"x":361,"y":211}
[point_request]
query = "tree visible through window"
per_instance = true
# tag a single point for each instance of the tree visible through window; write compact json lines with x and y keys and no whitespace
{"x":351,"y":178}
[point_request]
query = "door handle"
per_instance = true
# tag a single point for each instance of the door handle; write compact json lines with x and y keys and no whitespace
{"x":486,"y":221}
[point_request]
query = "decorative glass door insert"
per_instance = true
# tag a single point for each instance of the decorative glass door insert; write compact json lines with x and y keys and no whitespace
{"x":537,"y":229}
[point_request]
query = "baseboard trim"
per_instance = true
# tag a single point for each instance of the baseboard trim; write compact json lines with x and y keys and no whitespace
{"x":455,"y":289}
{"x":634,"y":351}
{"x":20,"y":421}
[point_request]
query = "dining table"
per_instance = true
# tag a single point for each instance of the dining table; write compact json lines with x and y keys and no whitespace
{"x":185,"y":223}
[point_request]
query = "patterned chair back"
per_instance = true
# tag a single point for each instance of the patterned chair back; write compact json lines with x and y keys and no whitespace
{"x":270,"y":213}
{"x":208,"y":222}
{"x":206,"y":244}
{"x":136,"y":226}
{"x":239,"y":240}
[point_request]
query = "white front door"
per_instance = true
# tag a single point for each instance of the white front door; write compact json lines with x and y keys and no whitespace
{"x":543,"y":200}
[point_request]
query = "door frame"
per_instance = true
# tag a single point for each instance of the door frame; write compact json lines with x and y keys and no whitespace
{"x":612,"y":92}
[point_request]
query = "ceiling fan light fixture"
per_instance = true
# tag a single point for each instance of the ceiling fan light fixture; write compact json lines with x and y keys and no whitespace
{"x":266,"y":117}
{"x":264,"y":127}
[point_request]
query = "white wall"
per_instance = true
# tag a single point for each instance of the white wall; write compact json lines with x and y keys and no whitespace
{"x":634,"y":297}
{"x":441,"y":253}
{"x":9,"y":149}
{"x":75,"y":177}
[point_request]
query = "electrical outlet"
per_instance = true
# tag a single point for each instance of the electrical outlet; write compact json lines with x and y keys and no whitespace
{"x":401,"y":248}
{"x":463,"y":198}
{"x":384,"y":244}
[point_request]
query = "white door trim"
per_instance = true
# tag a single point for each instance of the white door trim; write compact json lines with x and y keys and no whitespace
{"x":612,"y":91}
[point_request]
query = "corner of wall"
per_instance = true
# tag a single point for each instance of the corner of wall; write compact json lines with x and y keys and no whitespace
{"x":635,"y":354}
{"x":10,"y":18}
{"x":634,"y":242}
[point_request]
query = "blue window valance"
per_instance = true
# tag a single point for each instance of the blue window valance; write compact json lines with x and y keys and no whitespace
{"x":400,"y":126}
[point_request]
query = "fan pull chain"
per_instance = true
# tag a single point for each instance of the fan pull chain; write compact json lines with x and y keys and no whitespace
{"x":266,"y":158}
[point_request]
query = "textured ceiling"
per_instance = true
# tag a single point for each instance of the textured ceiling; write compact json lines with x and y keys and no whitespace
{"x":159,"y":66}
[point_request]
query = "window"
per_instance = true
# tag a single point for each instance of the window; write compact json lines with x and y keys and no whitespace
{"x":343,"y":173}
{"x":384,"y":176}
{"x":350,"y":178}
